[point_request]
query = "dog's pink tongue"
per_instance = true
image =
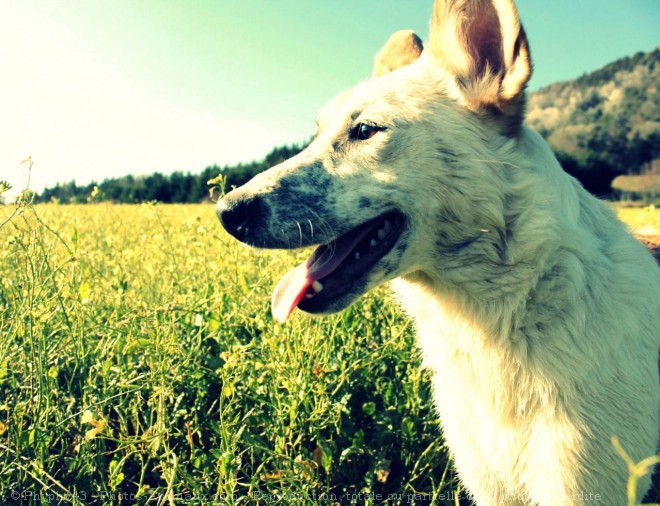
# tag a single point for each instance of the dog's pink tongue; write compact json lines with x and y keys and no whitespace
{"x":289,"y":292}
{"x":294,"y":285}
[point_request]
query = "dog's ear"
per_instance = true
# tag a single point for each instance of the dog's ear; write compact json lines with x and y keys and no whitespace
{"x":401,"y":49}
{"x":482,"y":44}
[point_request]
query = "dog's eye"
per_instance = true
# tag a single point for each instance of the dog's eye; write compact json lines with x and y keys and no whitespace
{"x":364,"y":131}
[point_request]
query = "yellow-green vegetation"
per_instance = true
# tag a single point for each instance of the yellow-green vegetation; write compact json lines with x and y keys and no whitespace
{"x":139,"y":364}
{"x":636,"y":470}
{"x":645,"y":219}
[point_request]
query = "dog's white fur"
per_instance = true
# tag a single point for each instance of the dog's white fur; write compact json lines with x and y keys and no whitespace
{"x":536,"y":310}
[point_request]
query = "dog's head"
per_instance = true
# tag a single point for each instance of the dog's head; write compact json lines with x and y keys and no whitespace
{"x":397,"y":174}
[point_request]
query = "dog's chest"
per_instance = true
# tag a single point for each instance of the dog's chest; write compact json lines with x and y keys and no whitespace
{"x":488,"y":401}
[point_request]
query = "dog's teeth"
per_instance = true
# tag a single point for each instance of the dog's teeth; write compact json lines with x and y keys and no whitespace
{"x":357,"y":255}
{"x":317,"y":286}
{"x":373,"y":243}
{"x":381,"y":234}
{"x":387,"y":226}
{"x":309,"y":295}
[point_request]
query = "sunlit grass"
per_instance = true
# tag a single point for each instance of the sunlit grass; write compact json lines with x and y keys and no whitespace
{"x":139,"y":359}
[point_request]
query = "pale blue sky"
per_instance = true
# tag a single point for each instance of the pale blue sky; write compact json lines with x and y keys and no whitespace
{"x":93,"y":89}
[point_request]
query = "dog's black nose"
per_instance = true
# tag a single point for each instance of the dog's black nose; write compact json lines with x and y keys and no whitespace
{"x":238,"y":216}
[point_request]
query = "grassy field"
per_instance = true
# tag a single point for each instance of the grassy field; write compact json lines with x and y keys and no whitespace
{"x":139,"y":364}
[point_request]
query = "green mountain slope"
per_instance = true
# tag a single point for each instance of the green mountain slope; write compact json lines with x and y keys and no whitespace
{"x":605,"y":123}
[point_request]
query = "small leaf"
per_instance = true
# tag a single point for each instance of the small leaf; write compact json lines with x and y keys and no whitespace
{"x":116,"y":478}
{"x":143,"y":490}
{"x":227,"y":390}
{"x":408,"y":427}
{"x":84,"y":291}
{"x":323,"y":457}
{"x":116,"y":481}
{"x":92,"y":433}
{"x":87,"y":417}
{"x":213,"y":322}
{"x":53,"y":372}
{"x":98,"y":425}
{"x":107,"y":364}
{"x":369,"y":408}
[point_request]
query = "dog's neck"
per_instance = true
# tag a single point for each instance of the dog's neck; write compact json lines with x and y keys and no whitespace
{"x":457,"y":317}
{"x":484,"y":299}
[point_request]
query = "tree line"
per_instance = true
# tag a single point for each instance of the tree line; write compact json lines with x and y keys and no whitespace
{"x":596,"y":167}
{"x":606,"y":157}
{"x":175,"y":188}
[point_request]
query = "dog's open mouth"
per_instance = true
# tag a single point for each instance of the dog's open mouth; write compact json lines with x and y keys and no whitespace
{"x":333,"y":268}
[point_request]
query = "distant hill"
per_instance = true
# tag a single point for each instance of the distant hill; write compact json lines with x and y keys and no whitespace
{"x":605,"y":123}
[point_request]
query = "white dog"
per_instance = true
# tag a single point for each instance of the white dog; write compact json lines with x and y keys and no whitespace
{"x":537,"y":311}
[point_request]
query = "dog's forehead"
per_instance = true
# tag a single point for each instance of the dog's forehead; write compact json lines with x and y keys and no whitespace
{"x":381,"y":99}
{"x":351,"y":102}
{"x":332,"y":107}
{"x":346,"y":107}
{"x":340,"y":111}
